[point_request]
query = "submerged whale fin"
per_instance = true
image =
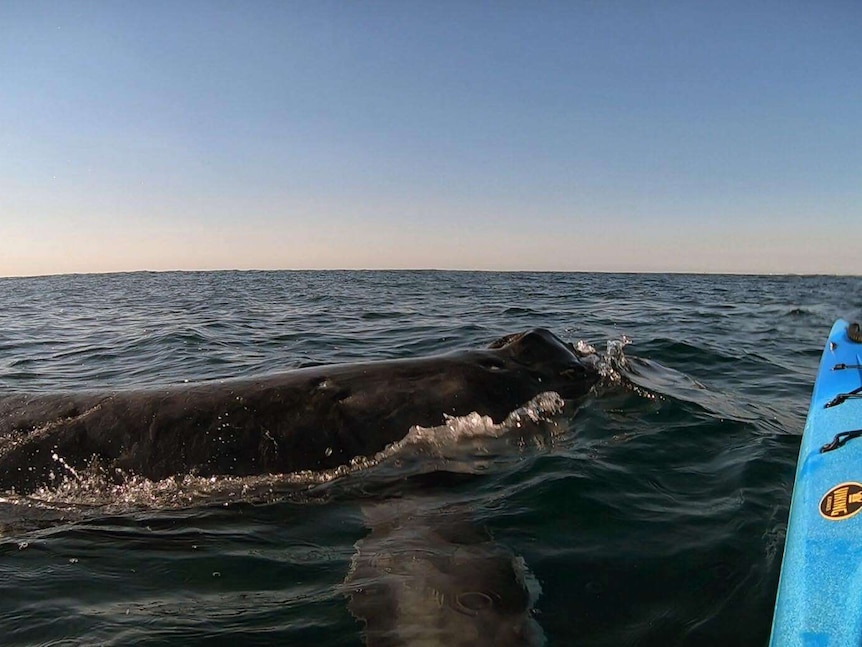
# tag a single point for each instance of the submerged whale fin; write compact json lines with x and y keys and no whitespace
{"x":433,"y":577}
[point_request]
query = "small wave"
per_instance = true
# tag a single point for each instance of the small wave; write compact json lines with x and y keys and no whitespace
{"x":519,"y":310}
{"x":651,"y":379}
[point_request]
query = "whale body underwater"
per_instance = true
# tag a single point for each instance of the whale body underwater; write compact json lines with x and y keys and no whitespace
{"x":307,"y":419}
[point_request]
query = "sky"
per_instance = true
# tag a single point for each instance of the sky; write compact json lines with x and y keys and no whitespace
{"x":573,"y":136}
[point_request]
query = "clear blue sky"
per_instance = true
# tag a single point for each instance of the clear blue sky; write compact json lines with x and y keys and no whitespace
{"x":600,"y":135}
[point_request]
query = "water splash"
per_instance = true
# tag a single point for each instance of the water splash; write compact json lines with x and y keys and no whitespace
{"x":611,"y":364}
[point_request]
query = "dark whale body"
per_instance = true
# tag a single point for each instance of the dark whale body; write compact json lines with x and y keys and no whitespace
{"x":308,"y":419}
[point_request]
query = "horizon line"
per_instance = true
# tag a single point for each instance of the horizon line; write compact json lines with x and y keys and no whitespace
{"x":431,"y":269}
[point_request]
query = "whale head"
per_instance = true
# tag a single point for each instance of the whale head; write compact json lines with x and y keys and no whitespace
{"x":548,"y":358}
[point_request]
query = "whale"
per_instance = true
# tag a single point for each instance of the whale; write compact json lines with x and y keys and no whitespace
{"x":314,"y":418}
{"x":428,"y":574}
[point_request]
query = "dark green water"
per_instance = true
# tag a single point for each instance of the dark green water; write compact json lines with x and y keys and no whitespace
{"x":655,"y":517}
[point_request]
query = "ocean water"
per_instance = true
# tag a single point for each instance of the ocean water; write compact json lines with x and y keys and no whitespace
{"x":654,"y":515}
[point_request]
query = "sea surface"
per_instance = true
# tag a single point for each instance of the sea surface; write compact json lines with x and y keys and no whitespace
{"x":656,"y":514}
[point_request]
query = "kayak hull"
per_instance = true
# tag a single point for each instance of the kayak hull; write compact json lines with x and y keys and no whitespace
{"x":819,"y":601}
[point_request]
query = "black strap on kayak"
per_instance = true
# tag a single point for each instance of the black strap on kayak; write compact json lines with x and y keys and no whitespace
{"x":840,"y":440}
{"x":841,"y":397}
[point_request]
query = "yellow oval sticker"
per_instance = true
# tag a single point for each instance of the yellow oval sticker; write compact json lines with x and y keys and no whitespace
{"x":842,"y":501}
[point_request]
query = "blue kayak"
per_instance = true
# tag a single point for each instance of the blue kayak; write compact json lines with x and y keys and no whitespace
{"x":820,"y":593}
